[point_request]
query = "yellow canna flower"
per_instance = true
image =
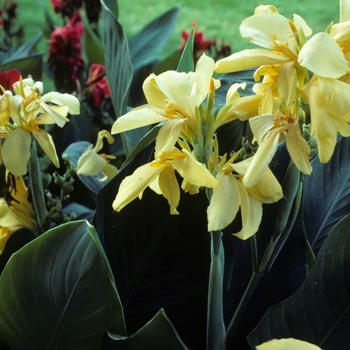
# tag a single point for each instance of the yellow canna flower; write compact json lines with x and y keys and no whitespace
{"x":91,"y":163}
{"x":160,"y":176}
{"x":330,"y":112}
{"x":287,"y":344}
{"x":29,"y":109}
{"x":232,"y":195}
{"x":173,"y":97}
{"x":15,"y":209}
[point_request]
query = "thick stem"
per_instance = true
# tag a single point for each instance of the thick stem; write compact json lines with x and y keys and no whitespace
{"x":216,"y":339}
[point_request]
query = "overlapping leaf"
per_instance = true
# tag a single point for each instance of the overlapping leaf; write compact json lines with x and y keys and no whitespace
{"x":319,"y":312}
{"x":57,"y":292}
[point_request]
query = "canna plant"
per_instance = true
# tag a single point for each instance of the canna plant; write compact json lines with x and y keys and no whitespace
{"x":213,"y":213}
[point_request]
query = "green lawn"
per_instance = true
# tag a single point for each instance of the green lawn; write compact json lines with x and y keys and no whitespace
{"x":217,"y":18}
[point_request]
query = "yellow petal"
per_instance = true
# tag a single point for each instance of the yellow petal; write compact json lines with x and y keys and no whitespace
{"x":298,"y":149}
{"x":46,"y":143}
{"x":251,"y":213}
{"x":224,"y":202}
{"x":90,"y":163}
{"x":5,"y":234}
{"x":63,"y":100}
{"x":194,"y":172}
{"x":262,"y":158}
{"x":260,"y":28}
{"x":232,"y":93}
{"x":170,"y":188}
{"x":152,"y":92}
{"x":7,"y":217}
{"x":287,"y":83}
{"x":168,"y":135}
{"x":16,"y":151}
{"x":261,"y":125}
{"x":344,"y":12}
{"x":323,"y":56}
{"x":54,"y":114}
{"x":110,"y":171}
{"x":341,"y":33}
{"x":138,"y":117}
{"x":326,"y":146}
{"x":133,"y":186}
{"x":301,"y":25}
{"x":248,"y":58}
{"x":267,"y":189}
{"x":287,"y":344}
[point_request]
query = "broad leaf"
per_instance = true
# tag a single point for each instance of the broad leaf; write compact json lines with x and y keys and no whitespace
{"x":158,"y":260}
{"x":29,"y":65}
{"x":117,"y":60}
{"x":319,"y":311}
{"x":146,"y":44}
{"x":157,"y":334}
{"x":57,"y":292}
{"x":326,"y":194}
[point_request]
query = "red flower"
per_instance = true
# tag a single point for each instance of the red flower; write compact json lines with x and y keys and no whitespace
{"x":66,"y":7}
{"x":8,"y":78}
{"x":65,"y":51}
{"x":97,"y":83}
{"x":200,"y":44}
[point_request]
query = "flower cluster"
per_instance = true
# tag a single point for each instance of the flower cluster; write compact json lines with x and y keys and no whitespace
{"x":22,"y":114}
{"x":65,"y":54}
{"x":184,"y":102}
{"x":301,"y":97}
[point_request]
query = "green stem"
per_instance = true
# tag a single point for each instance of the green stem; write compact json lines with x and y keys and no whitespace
{"x":215,"y":322}
{"x":37,"y":189}
{"x":241,"y":306}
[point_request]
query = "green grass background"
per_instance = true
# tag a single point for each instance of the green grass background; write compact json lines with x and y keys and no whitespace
{"x":217,"y":18}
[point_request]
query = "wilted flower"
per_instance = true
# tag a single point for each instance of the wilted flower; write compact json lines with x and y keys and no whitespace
{"x":66,"y":7}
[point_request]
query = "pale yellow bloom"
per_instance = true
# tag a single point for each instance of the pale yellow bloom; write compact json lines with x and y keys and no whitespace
{"x":160,"y":176}
{"x":232,"y":195}
{"x":287,"y":344}
{"x":91,"y":163}
{"x":173,"y":97}
{"x":16,"y":211}
{"x":29,"y":109}
{"x":330,"y":112}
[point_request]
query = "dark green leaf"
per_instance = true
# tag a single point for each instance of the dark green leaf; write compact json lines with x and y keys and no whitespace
{"x":159,"y":260}
{"x":58,"y":292}
{"x":117,"y":60}
{"x":24,"y":50}
{"x":28,"y":65}
{"x":326,"y":194}
{"x":319,"y":312}
{"x":146,"y":44}
{"x":186,"y":63}
{"x":113,"y":6}
{"x":157,"y":334}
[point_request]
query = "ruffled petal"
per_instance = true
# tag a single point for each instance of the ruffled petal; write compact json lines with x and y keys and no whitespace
{"x":54,"y":114}
{"x":323,"y":56}
{"x":224,"y":202}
